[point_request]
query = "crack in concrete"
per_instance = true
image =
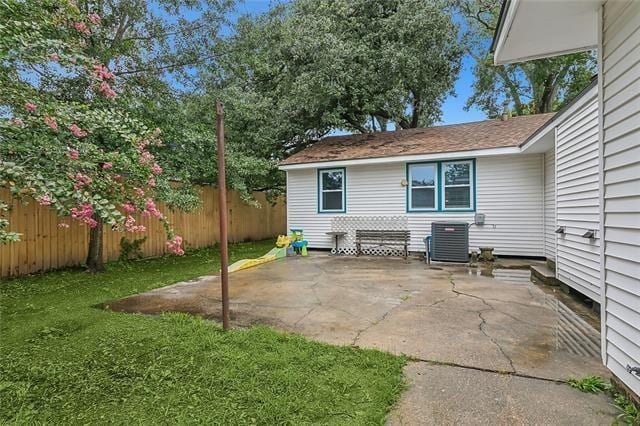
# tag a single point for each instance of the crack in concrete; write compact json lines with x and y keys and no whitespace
{"x":319,"y":304}
{"x":378,"y":321}
{"x":484,"y":370}
{"x":304,"y":316}
{"x":481,"y":327}
{"x":439,"y":301}
{"x":483,"y":321}
{"x":513,"y":317}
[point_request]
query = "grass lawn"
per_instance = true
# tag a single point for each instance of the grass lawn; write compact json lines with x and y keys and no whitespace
{"x":64,"y":361}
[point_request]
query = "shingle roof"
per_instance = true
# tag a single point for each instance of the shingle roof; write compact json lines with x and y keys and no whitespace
{"x":451,"y":138}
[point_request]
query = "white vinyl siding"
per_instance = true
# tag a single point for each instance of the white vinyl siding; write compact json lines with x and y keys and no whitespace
{"x":509,"y":193}
{"x":620,"y":80}
{"x":578,"y":211}
{"x":550,"y":205}
{"x":507,"y":190}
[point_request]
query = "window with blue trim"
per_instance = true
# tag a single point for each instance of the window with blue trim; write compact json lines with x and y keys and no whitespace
{"x":423,"y":186}
{"x":457,"y":178}
{"x":331,"y":194}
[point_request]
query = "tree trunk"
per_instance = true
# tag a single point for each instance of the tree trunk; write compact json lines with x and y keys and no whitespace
{"x":547,"y":96}
{"x":512,"y":87}
{"x":94,"y":256}
{"x":383,"y":123}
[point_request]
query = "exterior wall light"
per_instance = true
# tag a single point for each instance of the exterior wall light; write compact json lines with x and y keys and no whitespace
{"x":591,"y":234}
{"x":560,"y":230}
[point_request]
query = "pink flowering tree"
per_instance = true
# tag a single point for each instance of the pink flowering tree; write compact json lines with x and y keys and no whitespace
{"x":88,"y":160}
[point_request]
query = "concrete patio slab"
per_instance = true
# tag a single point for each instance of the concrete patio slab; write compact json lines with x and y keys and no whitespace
{"x":493,"y":321}
{"x":444,"y":395}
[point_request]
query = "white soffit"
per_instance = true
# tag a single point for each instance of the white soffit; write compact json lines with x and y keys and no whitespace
{"x":533,"y":29}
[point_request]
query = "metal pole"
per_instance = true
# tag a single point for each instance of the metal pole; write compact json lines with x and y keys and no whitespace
{"x":222,"y":204}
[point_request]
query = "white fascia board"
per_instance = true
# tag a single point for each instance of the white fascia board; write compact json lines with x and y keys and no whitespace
{"x":559,"y":118}
{"x":405,"y":158}
{"x":508,"y":61}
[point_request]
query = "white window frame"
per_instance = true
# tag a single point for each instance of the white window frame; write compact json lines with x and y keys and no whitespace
{"x":471,"y":186}
{"x":435,"y":187}
{"x":321,"y":190}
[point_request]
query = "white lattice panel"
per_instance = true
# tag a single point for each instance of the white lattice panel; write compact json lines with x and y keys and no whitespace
{"x":349,"y":224}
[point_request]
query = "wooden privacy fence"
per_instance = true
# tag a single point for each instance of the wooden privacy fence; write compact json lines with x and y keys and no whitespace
{"x":45,"y":246}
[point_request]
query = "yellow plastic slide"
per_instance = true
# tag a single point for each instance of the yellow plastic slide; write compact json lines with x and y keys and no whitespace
{"x":274,"y":253}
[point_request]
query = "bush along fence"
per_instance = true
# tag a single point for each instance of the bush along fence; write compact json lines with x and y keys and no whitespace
{"x":45,"y":245}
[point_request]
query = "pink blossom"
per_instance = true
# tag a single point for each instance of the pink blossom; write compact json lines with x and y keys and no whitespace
{"x":73,"y":154}
{"x":63,"y":225}
{"x":175,"y":245}
{"x":141,"y":144}
{"x":130,"y":225}
{"x":102,"y":73}
{"x":17,"y":122}
{"x":81,"y":181}
{"x":128,"y":207}
{"x":107,"y":166}
{"x":77,"y":131}
{"x":81,"y":27}
{"x":156,"y":168}
{"x":84,"y":214}
{"x":152,"y":182}
{"x":45,"y":200}
{"x":106,"y":90}
{"x":94,"y":18}
{"x":30,"y":107}
{"x":51,"y":122}
{"x":53,"y":57}
{"x":151,"y":209}
{"x":145,"y":157}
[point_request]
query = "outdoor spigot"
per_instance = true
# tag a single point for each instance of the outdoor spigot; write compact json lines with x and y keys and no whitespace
{"x":591,"y":234}
{"x":634,"y":370}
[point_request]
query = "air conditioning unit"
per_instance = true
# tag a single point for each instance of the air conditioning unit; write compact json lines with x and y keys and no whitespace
{"x":450,"y":241}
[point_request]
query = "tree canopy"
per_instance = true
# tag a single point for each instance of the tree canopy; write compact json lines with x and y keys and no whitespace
{"x":312,"y":66}
{"x":532,"y":87}
{"x":68,"y":144}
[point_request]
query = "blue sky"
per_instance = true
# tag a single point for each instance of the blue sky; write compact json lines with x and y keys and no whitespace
{"x":453,"y":107}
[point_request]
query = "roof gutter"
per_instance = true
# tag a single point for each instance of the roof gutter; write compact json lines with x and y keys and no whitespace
{"x":496,"y":33}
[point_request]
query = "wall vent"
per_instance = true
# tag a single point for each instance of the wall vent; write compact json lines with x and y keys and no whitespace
{"x":450,"y":241}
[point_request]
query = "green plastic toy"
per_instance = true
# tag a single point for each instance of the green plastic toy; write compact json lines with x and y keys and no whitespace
{"x":298,"y":242}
